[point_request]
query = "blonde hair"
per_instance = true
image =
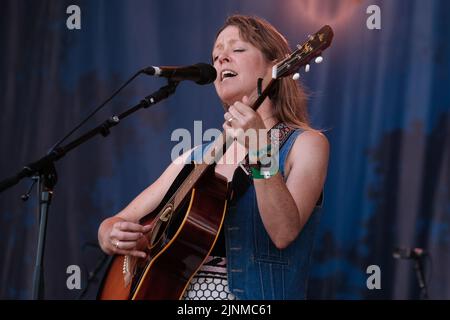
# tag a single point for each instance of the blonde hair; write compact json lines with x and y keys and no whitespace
{"x":288,"y":97}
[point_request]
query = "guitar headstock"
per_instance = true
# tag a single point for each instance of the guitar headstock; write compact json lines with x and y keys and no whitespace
{"x":311,"y":49}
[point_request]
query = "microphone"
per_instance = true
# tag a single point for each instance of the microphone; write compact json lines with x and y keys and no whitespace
{"x":200,"y":73}
{"x":408,"y":253}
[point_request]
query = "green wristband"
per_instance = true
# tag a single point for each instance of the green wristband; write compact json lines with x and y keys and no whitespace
{"x":260,"y":173}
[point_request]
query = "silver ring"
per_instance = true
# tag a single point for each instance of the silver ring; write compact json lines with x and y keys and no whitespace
{"x":231,"y":119}
{"x":116,"y":244}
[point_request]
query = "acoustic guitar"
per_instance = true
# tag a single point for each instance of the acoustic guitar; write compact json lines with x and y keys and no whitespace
{"x":186,"y":224}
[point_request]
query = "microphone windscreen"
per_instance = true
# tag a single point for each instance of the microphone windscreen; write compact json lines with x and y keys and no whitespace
{"x":207,"y":73}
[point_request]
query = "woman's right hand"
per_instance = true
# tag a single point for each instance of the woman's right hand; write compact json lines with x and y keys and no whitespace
{"x":117,"y":236}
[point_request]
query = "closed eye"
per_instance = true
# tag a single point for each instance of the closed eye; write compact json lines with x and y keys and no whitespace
{"x":214,"y":58}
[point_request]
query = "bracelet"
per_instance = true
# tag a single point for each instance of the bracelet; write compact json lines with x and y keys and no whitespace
{"x":264,"y":158}
{"x":262,"y":173}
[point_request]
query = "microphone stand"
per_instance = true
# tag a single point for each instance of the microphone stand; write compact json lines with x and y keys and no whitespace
{"x":420,"y":278}
{"x":44,"y":171}
{"x":47,"y":179}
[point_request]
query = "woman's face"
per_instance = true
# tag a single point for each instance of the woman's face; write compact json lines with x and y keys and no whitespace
{"x":239,"y":65}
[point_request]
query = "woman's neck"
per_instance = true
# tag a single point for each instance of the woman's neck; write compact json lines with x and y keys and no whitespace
{"x":267,"y":113}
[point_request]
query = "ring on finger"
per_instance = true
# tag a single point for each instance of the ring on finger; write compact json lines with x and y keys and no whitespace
{"x":116,"y":244}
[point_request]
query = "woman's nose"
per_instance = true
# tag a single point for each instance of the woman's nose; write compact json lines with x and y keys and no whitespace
{"x":223,"y":57}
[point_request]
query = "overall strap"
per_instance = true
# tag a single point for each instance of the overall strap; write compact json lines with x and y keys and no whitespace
{"x":242,"y":178}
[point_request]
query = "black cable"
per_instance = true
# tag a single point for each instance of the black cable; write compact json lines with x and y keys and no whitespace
{"x":56,"y":145}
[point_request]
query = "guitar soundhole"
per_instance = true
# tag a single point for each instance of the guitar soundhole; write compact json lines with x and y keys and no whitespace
{"x":175,"y":222}
{"x":166,"y":230}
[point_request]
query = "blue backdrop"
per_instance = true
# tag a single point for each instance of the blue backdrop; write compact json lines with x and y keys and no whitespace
{"x":382,"y":97}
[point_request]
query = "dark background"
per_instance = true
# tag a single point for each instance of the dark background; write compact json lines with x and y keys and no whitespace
{"x":382,"y":97}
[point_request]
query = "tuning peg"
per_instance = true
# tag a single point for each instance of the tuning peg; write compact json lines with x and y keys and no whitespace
{"x":319,"y":59}
{"x":296,"y":76}
{"x":307,"y":68}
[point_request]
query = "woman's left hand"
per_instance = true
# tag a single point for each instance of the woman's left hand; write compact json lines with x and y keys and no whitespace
{"x":245,"y":125}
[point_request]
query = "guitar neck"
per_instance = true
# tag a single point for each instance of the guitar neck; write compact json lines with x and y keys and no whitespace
{"x":211,"y":157}
{"x":222,"y":143}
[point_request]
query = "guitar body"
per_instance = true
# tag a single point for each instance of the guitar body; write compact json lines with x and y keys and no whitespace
{"x":179,"y":245}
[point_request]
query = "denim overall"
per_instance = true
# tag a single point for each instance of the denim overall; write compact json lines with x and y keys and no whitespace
{"x":257,"y":270}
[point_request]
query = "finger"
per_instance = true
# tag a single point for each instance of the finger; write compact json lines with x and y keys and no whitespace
{"x":227,"y":116}
{"x":236,"y":115}
{"x":125,"y":236}
{"x":138,"y":254}
{"x":126,"y":245}
{"x":129,"y":226}
{"x":247,"y":114}
{"x":147,"y":228}
{"x":134,"y":253}
{"x":236,"y":109}
{"x":242,"y":108}
{"x":246,"y":107}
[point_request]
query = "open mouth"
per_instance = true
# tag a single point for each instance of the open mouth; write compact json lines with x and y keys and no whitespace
{"x":227,"y":74}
